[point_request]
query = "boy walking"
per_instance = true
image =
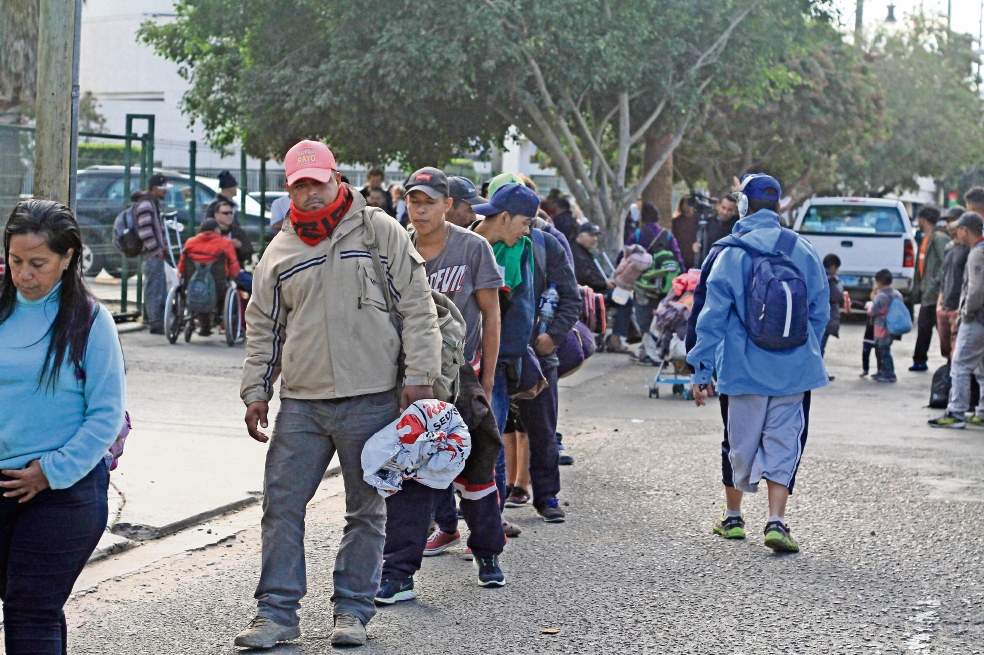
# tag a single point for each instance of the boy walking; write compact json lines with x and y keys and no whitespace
{"x":831,"y":264}
{"x":765,"y":392}
{"x":460,"y":264}
{"x":882,"y":296}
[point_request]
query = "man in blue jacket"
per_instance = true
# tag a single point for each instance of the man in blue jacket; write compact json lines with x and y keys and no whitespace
{"x":765,"y":394}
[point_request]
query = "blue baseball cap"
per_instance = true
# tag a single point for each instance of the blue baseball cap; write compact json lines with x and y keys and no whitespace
{"x":513,"y":198}
{"x":761,"y":187}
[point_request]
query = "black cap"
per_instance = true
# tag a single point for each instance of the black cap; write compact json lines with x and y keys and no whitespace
{"x":588,"y":228}
{"x":227,"y":180}
{"x":972,"y":221}
{"x":462,"y":189}
{"x":157,"y":180}
{"x":430,"y":180}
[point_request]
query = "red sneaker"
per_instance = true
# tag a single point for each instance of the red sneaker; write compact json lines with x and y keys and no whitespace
{"x":440,"y":541}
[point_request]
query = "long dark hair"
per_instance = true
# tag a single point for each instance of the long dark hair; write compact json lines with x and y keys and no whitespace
{"x":70,"y":329}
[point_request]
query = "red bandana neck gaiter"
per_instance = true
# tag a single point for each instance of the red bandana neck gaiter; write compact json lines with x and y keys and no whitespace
{"x":314,"y":227}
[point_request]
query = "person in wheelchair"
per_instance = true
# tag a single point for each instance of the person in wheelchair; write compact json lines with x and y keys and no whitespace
{"x":223,"y":210}
{"x":207,"y":249}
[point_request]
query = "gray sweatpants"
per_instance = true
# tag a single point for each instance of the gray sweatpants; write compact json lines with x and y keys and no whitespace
{"x":306,"y":436}
{"x":968,"y":356}
{"x":764,"y":437}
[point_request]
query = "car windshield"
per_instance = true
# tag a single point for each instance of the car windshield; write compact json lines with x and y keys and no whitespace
{"x":854,"y":219}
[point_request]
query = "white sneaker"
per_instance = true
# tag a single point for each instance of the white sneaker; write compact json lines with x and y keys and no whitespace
{"x":265,"y":633}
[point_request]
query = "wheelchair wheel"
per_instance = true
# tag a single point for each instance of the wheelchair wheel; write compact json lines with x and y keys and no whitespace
{"x":173,"y":314}
{"x":232,"y":315}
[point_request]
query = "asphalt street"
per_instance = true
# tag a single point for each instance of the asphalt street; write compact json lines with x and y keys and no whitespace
{"x":887,"y":512}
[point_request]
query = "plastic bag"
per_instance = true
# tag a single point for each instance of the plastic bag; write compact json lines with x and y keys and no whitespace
{"x":429,"y":443}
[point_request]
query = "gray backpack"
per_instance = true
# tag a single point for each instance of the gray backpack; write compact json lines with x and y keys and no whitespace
{"x":449,"y":321}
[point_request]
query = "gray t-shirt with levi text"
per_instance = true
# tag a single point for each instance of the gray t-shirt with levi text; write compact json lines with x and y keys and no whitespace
{"x":465,"y":264}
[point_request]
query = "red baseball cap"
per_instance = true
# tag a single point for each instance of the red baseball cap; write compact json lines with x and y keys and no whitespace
{"x":309,"y":159}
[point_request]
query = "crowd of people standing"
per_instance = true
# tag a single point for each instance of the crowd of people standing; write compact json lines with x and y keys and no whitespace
{"x":344,"y":314}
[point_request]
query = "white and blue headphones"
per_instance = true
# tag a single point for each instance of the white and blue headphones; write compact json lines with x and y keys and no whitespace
{"x":740,"y":196}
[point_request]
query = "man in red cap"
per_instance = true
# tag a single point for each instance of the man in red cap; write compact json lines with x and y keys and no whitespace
{"x":318,"y":320}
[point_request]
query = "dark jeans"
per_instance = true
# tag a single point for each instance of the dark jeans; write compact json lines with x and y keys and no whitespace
{"x":886,"y":365}
{"x":623,"y":319}
{"x":924,"y":333}
{"x":408,"y":517}
{"x":44,"y":544}
{"x":823,"y":343}
{"x":446,"y":511}
{"x":539,"y":416}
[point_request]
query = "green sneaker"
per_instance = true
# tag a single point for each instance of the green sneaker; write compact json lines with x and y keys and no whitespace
{"x":948,"y":420}
{"x":730,"y":527}
{"x":777,"y":538}
{"x":976,"y":421}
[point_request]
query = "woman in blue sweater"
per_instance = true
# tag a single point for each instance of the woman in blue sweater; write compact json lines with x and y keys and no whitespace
{"x":62,"y":390}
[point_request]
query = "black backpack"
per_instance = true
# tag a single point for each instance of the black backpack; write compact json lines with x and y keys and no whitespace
{"x":126,"y":238}
{"x":200,"y":294}
{"x":939,"y":392}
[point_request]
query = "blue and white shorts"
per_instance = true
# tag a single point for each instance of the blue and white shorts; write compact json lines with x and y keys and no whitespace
{"x":764,"y":437}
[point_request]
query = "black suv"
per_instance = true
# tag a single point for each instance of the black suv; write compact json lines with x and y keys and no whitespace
{"x":100,"y":199}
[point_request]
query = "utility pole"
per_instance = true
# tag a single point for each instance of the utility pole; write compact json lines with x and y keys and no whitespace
{"x":859,"y":24}
{"x":53,"y":136}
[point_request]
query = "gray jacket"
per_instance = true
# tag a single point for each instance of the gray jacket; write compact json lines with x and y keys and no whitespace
{"x":972,"y":295}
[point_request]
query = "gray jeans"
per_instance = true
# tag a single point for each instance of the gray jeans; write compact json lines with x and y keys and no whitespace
{"x":967,"y":357}
{"x":155,"y":292}
{"x":306,"y":436}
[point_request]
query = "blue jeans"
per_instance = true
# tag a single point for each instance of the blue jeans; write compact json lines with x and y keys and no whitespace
{"x":155,"y":293}
{"x":886,"y":366}
{"x":500,"y":409}
{"x":306,"y":436}
{"x":44,"y":544}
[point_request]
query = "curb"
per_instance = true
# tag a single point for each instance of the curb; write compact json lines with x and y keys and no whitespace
{"x":148,"y":532}
{"x":137,"y":532}
{"x":126,"y":328}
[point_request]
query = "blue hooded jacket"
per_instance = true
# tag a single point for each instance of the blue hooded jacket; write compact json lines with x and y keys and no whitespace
{"x":722,"y":343}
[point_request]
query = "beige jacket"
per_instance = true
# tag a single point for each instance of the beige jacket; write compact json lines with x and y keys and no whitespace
{"x":318,"y":318}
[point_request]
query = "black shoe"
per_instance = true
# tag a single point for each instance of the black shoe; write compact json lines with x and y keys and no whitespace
{"x":205,"y":332}
{"x":157,"y":330}
{"x":550,"y":511}
{"x":565,"y":460}
{"x":918,"y":367}
{"x":393,"y":591}
{"x":489,"y":573}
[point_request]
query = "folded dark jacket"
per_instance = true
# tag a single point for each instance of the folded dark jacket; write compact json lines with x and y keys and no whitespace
{"x":476,"y":412}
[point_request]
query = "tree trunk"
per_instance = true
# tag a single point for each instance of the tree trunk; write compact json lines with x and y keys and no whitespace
{"x":18,"y":57}
{"x":660,"y":190}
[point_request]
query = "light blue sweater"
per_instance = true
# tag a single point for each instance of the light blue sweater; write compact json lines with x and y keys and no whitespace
{"x":71,"y":428}
{"x":722,"y":343}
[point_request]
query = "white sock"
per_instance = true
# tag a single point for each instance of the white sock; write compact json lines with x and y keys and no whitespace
{"x":776,"y":518}
{"x":729,"y":513}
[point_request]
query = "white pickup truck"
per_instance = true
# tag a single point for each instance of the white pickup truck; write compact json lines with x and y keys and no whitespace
{"x":868,"y":234}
